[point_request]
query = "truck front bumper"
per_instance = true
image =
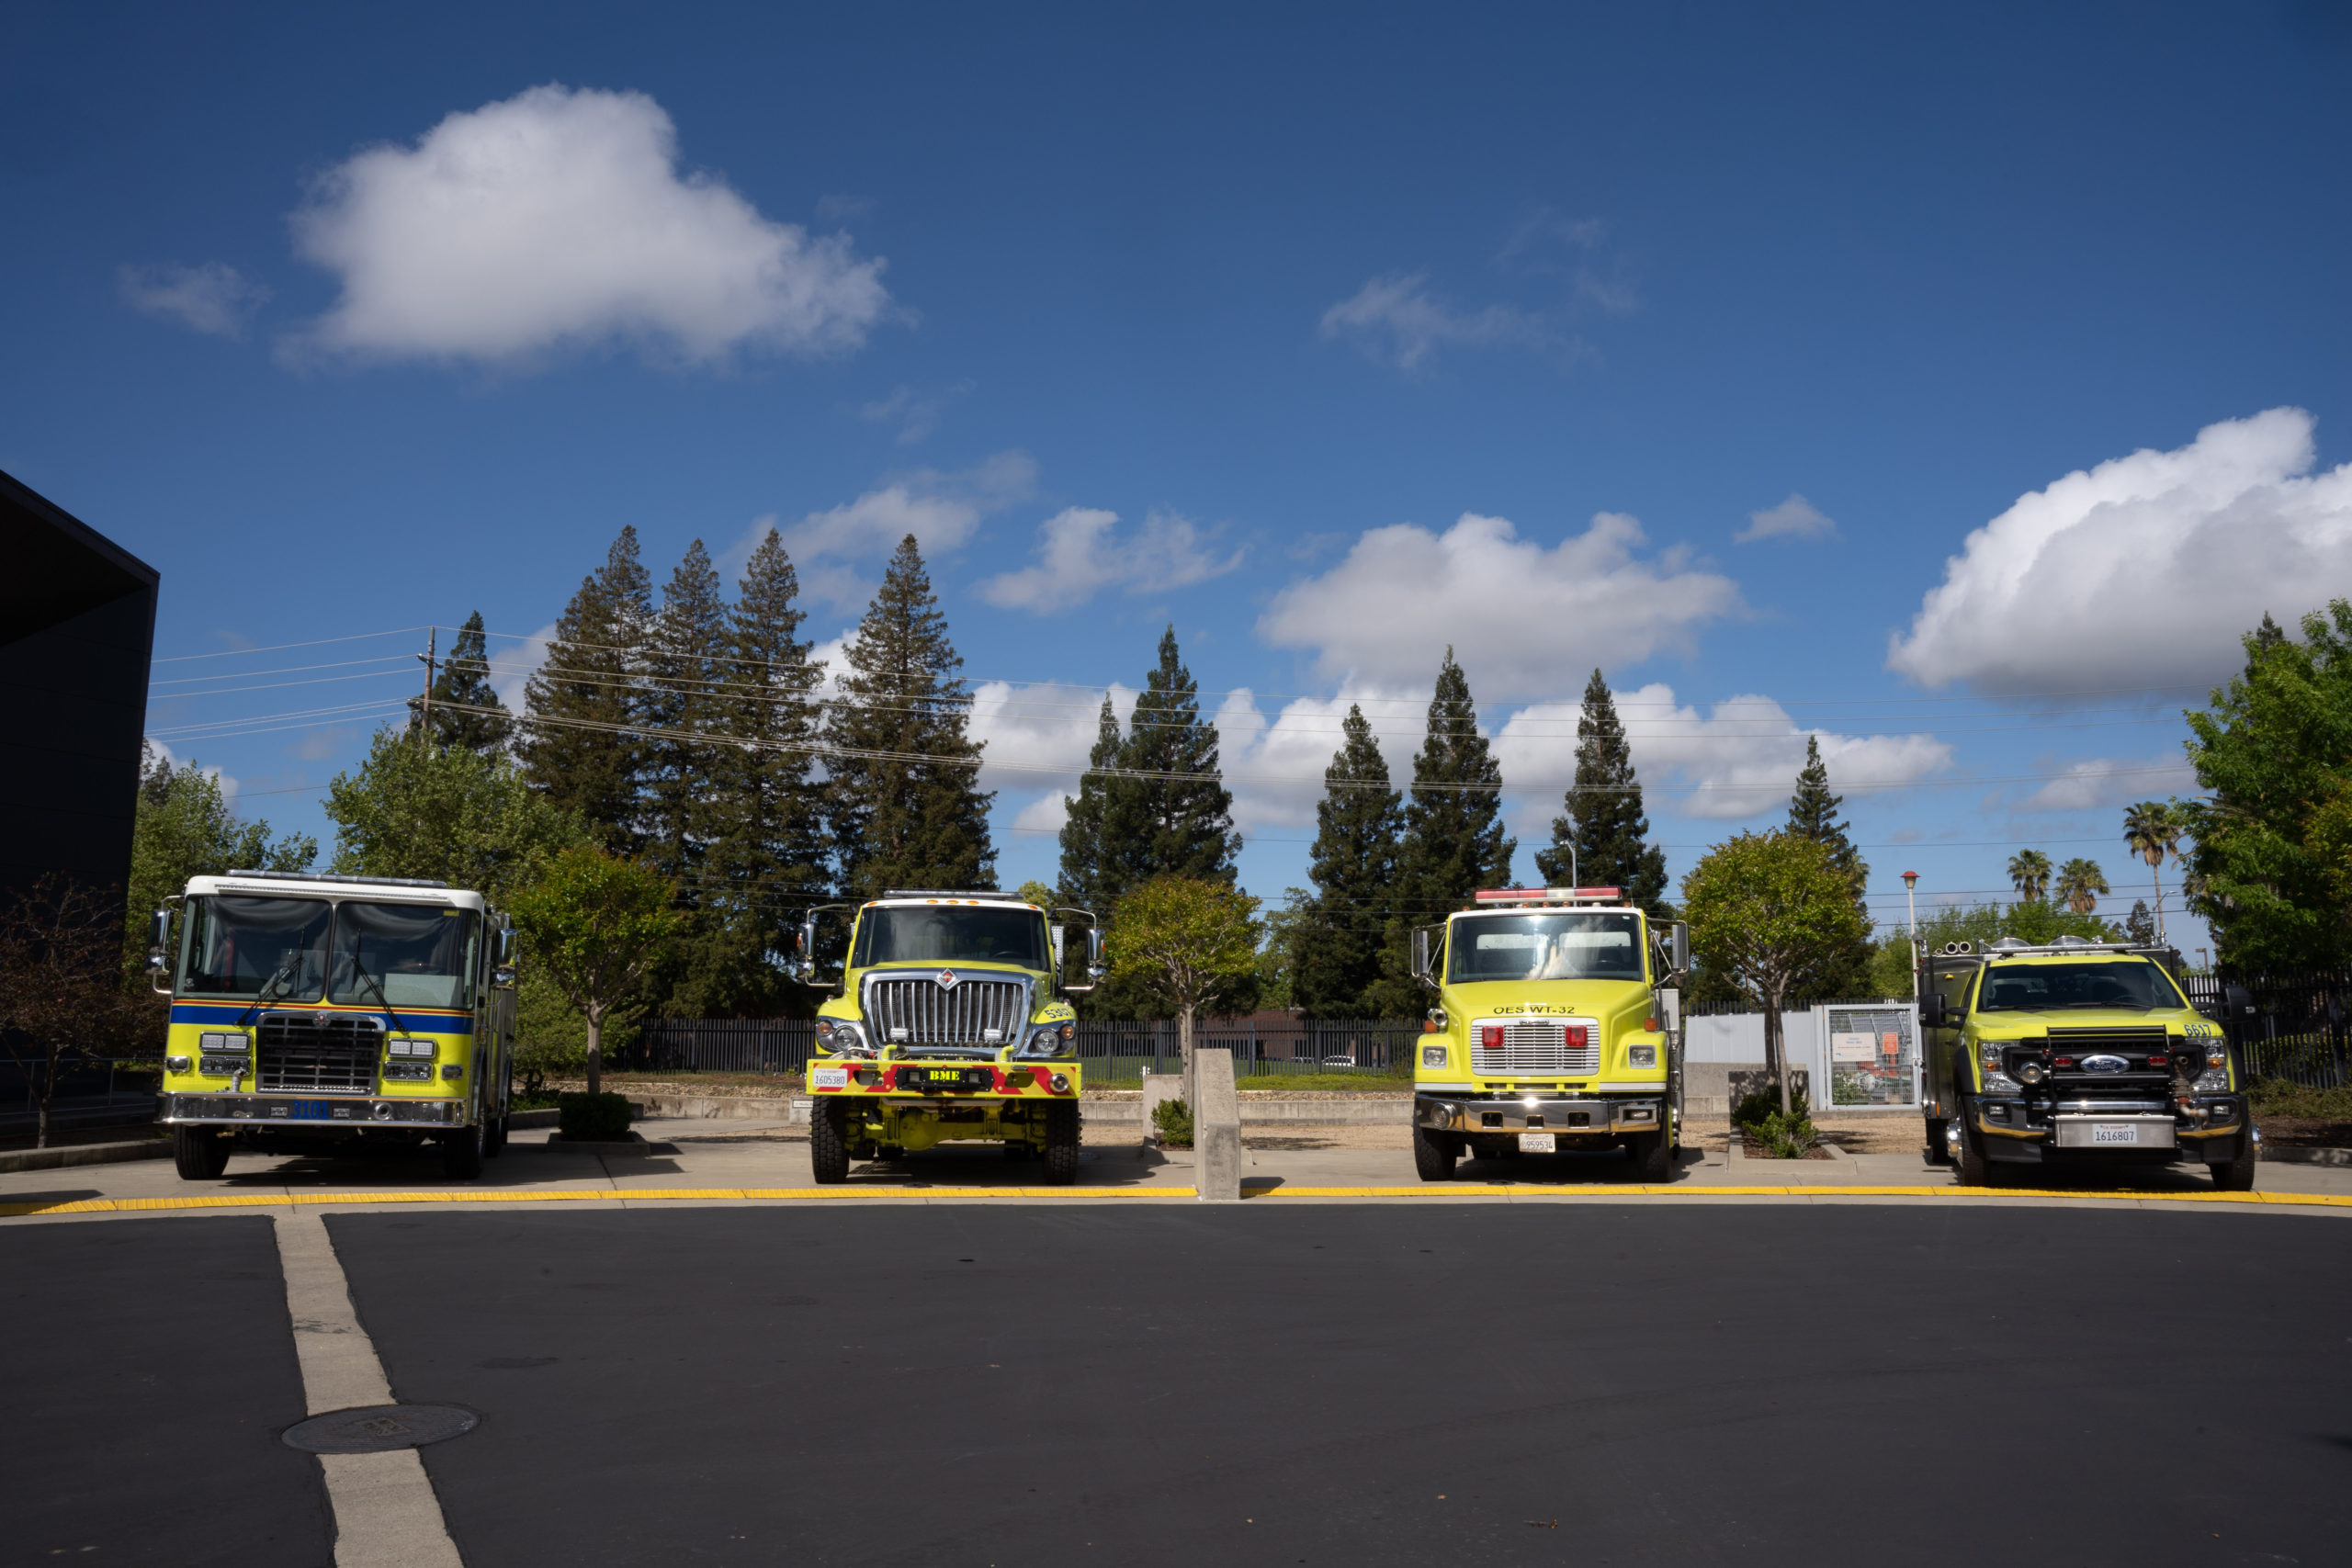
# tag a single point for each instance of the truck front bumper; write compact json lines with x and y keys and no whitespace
{"x":1536,"y":1113}
{"x":297,"y":1112}
{"x":2013,"y":1130}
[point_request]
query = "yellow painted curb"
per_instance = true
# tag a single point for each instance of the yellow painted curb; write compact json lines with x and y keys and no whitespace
{"x":1497,"y":1189}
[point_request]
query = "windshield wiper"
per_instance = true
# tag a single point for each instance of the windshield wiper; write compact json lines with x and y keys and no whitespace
{"x":363,"y":974}
{"x":285,"y":970}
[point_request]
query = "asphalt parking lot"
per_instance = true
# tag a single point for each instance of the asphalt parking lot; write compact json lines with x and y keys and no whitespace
{"x":1356,"y":1383}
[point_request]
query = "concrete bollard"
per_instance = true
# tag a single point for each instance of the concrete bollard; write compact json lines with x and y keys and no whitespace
{"x":1217,"y":1128}
{"x":1157,"y":1087}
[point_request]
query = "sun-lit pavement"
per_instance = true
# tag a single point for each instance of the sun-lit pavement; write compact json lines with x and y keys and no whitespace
{"x":695,"y":1160}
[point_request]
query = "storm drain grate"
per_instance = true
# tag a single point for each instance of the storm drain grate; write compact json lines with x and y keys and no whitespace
{"x":380,"y":1429}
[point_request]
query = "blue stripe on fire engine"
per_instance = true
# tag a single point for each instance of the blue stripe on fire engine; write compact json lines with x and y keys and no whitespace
{"x":417,"y":1020}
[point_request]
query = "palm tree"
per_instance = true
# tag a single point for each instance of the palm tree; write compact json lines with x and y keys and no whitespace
{"x":2080,"y":883}
{"x":2152,"y":831}
{"x":2029,"y":875}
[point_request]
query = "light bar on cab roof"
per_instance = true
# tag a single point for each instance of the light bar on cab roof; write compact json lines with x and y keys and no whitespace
{"x":1546,"y":894}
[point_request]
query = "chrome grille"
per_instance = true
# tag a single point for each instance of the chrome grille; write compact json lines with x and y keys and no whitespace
{"x":916,"y":1010}
{"x":1535,"y":1045}
{"x":316,"y":1053}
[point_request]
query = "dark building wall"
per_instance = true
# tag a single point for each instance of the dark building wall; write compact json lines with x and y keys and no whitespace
{"x":77,"y":629}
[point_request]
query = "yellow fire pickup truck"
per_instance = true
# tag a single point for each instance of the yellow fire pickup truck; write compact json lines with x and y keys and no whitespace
{"x":1555,"y":1028}
{"x":952,"y":1022}
{"x":2079,"y":1053}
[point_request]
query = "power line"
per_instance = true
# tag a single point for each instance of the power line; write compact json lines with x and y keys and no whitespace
{"x":279,"y":647}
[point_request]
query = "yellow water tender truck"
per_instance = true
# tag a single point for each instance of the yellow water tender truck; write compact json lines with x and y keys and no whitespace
{"x":952,"y":1021}
{"x":333,"y":1014}
{"x":2077,"y":1054}
{"x":1555,"y":1028}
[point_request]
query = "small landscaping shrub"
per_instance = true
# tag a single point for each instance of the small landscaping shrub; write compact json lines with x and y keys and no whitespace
{"x":592,"y":1117}
{"x":2276,"y":1097}
{"x":1758,"y":1104}
{"x":1172,"y":1119}
{"x":1785,"y":1137}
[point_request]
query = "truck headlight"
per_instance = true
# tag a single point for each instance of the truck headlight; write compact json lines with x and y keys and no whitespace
{"x":1641,"y":1056}
{"x":2216,"y":1055}
{"x":2213,"y":1080}
{"x":1051,"y":1040}
{"x":838,"y":1036}
{"x":1434,"y":1055}
{"x":1998,"y":1082}
{"x":176,"y":1064}
{"x":224,"y":1045}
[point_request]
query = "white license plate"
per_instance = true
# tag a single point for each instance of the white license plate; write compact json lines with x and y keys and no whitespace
{"x":828,"y":1078}
{"x":2105,"y":1133}
{"x":1538,"y":1143}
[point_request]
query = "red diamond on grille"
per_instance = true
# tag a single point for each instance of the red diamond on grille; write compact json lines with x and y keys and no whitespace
{"x":947,"y":979}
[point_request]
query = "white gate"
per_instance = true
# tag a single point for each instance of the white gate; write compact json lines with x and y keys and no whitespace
{"x":1869,"y":1056}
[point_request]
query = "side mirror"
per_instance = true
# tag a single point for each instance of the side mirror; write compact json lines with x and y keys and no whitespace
{"x":1933,"y":1014}
{"x":502,"y":978}
{"x":1670,"y":1009}
{"x":1421,"y":970}
{"x":159,"y":931}
{"x":2238,"y":1001}
{"x":1677,"y":941}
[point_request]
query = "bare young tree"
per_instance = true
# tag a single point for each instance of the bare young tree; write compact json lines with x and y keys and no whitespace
{"x":62,"y":1001}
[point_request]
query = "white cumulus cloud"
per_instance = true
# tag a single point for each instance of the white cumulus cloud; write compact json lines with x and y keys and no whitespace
{"x":2144,"y":572}
{"x":1079,"y":553}
{"x":1796,"y":518}
{"x":1038,"y":740}
{"x":215,"y":298}
{"x":834,"y":550}
{"x":1738,"y":759}
{"x":1521,"y":617}
{"x":1396,"y":319}
{"x":2089,"y":784}
{"x":561,"y":217}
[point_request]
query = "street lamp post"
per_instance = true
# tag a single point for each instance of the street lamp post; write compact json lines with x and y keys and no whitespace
{"x":1911,"y":902}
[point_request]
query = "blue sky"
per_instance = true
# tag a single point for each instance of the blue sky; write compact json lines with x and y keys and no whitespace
{"x":1954,"y":385}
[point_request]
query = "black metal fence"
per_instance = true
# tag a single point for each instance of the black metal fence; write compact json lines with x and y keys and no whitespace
{"x":1109,"y":1051}
{"x":2297,"y":1031}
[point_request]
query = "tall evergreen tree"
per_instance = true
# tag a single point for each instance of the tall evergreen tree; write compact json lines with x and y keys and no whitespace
{"x":1602,"y":816}
{"x":768,"y":849}
{"x":582,"y":702}
{"x":463,"y":683}
{"x":906,"y":808}
{"x":1335,"y":950}
{"x":683,"y":703}
{"x":1083,"y":879}
{"x":1169,"y":813}
{"x":1453,"y":840}
{"x":1812,"y":816}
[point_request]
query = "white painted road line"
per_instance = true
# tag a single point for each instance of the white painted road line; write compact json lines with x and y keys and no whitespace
{"x":385,"y":1513}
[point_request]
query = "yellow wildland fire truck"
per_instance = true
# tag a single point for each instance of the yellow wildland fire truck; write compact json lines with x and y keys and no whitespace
{"x":2077,"y":1054}
{"x":952,"y":1022}
{"x":334,"y":1014}
{"x":1557,"y":1027}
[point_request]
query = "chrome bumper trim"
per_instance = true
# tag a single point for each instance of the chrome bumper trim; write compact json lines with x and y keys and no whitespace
{"x":1543,"y":1116}
{"x":277,"y":1110}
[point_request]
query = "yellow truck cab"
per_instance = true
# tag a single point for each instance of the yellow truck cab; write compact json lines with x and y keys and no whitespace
{"x":2077,"y":1054}
{"x":1553,"y":1030}
{"x":952,"y":1022}
{"x":315,"y":1014}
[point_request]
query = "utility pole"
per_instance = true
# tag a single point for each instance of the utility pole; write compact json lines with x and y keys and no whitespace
{"x":428,"y":659}
{"x":1911,"y":902}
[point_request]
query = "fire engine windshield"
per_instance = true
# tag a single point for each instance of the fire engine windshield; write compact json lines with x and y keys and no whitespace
{"x":949,"y":934}
{"x":1544,"y":947}
{"x":400,"y":955}
{"x":2133,"y":985}
{"x":249,"y":947}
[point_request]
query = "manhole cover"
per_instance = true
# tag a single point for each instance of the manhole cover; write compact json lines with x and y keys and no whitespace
{"x":380,"y":1429}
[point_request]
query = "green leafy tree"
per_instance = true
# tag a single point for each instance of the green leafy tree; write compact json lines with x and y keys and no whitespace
{"x":1087,"y":878}
{"x":684,"y":705}
{"x":1454,"y":841}
{"x":2271,"y":861}
{"x":2081,"y":884}
{"x":2152,"y":831}
{"x":1772,"y":912}
{"x":1168,"y":812}
{"x":2029,"y":875}
{"x":62,"y":1002}
{"x":1036,"y":891}
{"x":1603,"y":820}
{"x":1186,"y":943}
{"x":465,"y":707}
{"x":466,"y":818}
{"x":185,"y":828}
{"x":2139,"y":926}
{"x":1278,"y":960}
{"x":596,"y":925}
{"x":905,"y":801}
{"x":2038,"y":924}
{"x":1813,"y":815}
{"x":1335,"y":942}
{"x":584,"y":705}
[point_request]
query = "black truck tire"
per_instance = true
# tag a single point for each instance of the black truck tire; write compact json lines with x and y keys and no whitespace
{"x":496,"y":1144}
{"x":2236,"y":1175}
{"x":827,"y":1143}
{"x":1937,"y":1153}
{"x":1062,"y":1144}
{"x":1653,"y":1159}
{"x":1434,"y":1154}
{"x":199,"y":1153}
{"x":1976,"y":1170}
{"x":461,"y":1151}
